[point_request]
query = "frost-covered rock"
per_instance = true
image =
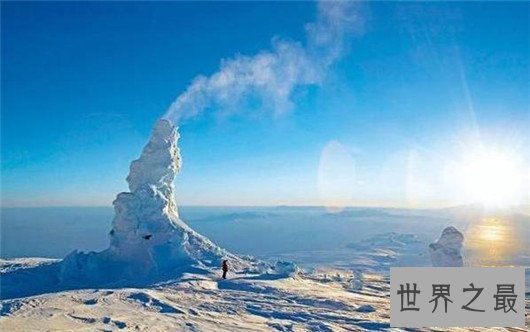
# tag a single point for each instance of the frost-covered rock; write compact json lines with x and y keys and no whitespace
{"x":148,"y":238}
{"x":287,"y":269}
{"x":446,"y":251}
{"x":365,"y":308}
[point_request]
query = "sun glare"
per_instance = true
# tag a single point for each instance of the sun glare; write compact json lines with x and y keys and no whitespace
{"x":493,"y":240}
{"x":492,"y":178}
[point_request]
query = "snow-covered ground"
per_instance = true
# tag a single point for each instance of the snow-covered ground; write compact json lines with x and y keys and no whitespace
{"x":323,"y":300}
{"x":206,"y":302}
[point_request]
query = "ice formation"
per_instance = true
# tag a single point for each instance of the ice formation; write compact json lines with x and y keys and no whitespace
{"x":446,"y":251}
{"x":148,"y":238}
{"x":357,"y":283}
{"x":287,"y":269}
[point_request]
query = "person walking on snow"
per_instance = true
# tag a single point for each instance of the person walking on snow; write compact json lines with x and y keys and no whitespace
{"x":225,"y":268}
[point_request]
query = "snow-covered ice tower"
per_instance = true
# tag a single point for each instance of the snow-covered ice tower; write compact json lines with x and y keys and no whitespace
{"x":146,"y":227}
{"x":446,"y":251}
{"x":147,"y":237}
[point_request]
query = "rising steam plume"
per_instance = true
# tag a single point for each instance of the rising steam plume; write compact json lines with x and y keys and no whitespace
{"x":269,"y":78}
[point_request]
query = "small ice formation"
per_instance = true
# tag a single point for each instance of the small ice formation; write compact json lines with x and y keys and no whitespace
{"x":357,"y":283}
{"x":148,"y":239}
{"x":287,"y":269}
{"x":446,"y":251}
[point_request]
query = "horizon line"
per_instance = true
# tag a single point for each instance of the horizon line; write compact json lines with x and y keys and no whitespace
{"x":475,"y":205}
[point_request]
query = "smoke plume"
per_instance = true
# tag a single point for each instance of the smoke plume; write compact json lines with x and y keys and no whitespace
{"x":268,"y":79}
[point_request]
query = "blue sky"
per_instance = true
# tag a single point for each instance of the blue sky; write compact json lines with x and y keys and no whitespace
{"x":417,"y":90}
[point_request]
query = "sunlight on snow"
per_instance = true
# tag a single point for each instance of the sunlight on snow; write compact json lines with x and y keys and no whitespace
{"x":493,"y":240}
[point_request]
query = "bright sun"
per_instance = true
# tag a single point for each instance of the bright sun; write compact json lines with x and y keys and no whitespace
{"x":492,"y":178}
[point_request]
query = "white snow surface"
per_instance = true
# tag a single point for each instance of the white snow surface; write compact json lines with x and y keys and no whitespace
{"x":205,"y":302}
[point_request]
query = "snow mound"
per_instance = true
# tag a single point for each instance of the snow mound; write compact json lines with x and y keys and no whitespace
{"x":148,"y":239}
{"x":446,"y":251}
{"x":287,"y":269}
